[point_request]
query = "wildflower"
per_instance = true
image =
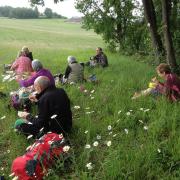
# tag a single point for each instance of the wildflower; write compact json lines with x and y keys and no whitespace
{"x":98,"y":137}
{"x":3,"y":117}
{"x":71,"y":83}
{"x":131,"y":110}
{"x":92,"y":97}
{"x":118,"y":120}
{"x":85,"y":91}
{"x":92,"y":91}
{"x":87,"y":108}
{"x":110,"y":133}
{"x":148,"y":25}
{"x":109,"y":127}
{"x":2,"y":169}
{"x":128,"y":113}
{"x":15,"y":178}
{"x":8,"y":151}
{"x":108,"y":143}
{"x":66,"y":148}
{"x":119,"y":111}
{"x":114,"y":135}
{"x":89,"y":166}
{"x":141,"y":121}
{"x":126,"y":131}
{"x":88,"y":146}
{"x":30,"y":136}
{"x":146,"y":110}
{"x":12,"y":174}
{"x":54,"y":116}
{"x":145,"y":128}
{"x":159,"y":151}
{"x":86,"y":132}
{"x":141,"y":109}
{"x":76,"y":107}
{"x":95,"y":143}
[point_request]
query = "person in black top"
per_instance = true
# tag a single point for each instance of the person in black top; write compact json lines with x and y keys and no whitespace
{"x":54,"y":112}
{"x":100,"y":57}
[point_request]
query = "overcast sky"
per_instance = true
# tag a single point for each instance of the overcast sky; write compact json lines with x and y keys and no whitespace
{"x":65,"y":8}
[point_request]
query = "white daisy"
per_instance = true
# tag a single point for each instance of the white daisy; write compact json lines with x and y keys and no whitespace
{"x":87,"y":146}
{"x":98,"y":137}
{"x":126,"y":131}
{"x":66,"y":148}
{"x":76,"y":107}
{"x":54,"y":116}
{"x":108,"y":143}
{"x":95,"y":143}
{"x":89,"y":166}
{"x":109,"y":127}
{"x":3,"y":117}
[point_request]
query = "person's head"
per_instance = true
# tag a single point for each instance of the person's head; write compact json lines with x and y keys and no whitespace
{"x":36,"y":65}
{"x":25,"y":49}
{"x":163,"y":69}
{"x":41,"y":83}
{"x":98,"y":50}
{"x":71,"y":59}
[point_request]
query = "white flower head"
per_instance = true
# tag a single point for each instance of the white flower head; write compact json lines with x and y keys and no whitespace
{"x":8,"y":151}
{"x":30,"y":136}
{"x":76,"y":107}
{"x":95,"y":143}
{"x":145,"y":128}
{"x":86,"y":132}
{"x":92,"y":91}
{"x":12,"y":174}
{"x":146,"y":110}
{"x":108,"y":143}
{"x":87,"y":108}
{"x":109,"y":127}
{"x":92,"y":97}
{"x":89,"y":166}
{"x":85,"y":91}
{"x":131,"y":110}
{"x":71,"y":83}
{"x":54,"y":116}
{"x":159,"y":151}
{"x":66,"y":148}
{"x":15,"y":178}
{"x":148,"y":25}
{"x":87,"y":146}
{"x":114,"y":135}
{"x":110,"y":132}
{"x":126,"y":131}
{"x":98,"y":137}
{"x":128,"y":113}
{"x":119,"y":111}
{"x":141,"y":121}
{"x":141,"y":109}
{"x":3,"y":117}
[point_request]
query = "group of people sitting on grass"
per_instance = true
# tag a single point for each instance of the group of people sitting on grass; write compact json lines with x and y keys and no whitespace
{"x":54,"y":112}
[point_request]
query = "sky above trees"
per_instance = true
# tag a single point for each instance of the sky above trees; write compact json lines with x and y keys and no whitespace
{"x":65,"y":8}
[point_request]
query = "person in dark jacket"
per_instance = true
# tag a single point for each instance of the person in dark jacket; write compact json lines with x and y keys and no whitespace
{"x":54,"y":112}
{"x":100,"y":57}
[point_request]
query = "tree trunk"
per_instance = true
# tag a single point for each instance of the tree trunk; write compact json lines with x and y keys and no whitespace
{"x":171,"y":60}
{"x":150,"y":16}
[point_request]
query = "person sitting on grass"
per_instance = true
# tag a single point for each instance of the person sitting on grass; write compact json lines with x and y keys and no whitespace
{"x":39,"y":71}
{"x":27,"y":53}
{"x":22,"y":64}
{"x":54,"y":112}
{"x":170,"y":88}
{"x":74,"y":71}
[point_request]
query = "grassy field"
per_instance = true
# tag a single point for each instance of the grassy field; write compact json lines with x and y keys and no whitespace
{"x":144,"y":133}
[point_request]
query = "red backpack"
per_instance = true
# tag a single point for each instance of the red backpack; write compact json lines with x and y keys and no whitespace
{"x":39,"y":157}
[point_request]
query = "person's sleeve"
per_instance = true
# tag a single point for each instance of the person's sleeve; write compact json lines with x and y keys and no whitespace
{"x":67,"y":72}
{"x":14,"y":65}
{"x":42,"y":116}
{"x":27,"y":82}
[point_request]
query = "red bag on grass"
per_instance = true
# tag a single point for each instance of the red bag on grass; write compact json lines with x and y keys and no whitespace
{"x":39,"y":157}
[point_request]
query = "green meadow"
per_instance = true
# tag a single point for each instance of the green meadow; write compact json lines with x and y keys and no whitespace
{"x":137,"y":139}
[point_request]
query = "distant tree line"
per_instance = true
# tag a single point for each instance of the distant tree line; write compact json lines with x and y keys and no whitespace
{"x":27,"y":13}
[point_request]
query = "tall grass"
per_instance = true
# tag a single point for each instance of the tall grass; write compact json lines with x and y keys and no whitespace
{"x":145,"y":133}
